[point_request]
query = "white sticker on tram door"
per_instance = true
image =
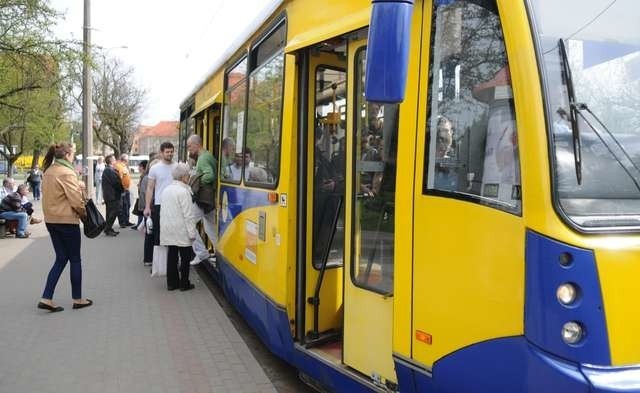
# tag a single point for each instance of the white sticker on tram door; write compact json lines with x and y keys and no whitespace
{"x":283,"y":200}
{"x":251,"y":250}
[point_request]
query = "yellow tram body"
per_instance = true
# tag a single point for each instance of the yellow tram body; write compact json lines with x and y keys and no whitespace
{"x":465,"y":289}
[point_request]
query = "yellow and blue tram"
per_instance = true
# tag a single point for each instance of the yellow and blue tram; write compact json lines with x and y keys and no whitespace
{"x":433,"y":195}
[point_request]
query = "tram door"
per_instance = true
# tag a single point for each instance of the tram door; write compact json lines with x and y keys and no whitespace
{"x":325,"y":174}
{"x":368,"y":279}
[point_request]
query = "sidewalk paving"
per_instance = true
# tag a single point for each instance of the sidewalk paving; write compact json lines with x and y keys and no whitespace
{"x":137,"y":337}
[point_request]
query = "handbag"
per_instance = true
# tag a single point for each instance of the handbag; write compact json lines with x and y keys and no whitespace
{"x":93,"y":221}
{"x":136,"y":211}
{"x":204,"y":195}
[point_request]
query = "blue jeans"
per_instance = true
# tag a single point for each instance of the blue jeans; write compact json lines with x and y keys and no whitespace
{"x":21,"y":217}
{"x":66,"y":243}
{"x":35,"y":188}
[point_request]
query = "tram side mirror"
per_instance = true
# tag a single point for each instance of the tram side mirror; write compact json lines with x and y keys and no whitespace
{"x":388,"y":50}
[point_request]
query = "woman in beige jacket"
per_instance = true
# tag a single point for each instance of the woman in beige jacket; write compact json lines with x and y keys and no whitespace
{"x":63,"y":205}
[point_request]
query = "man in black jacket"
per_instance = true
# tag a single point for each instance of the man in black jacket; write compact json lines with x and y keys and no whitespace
{"x":112,"y":192}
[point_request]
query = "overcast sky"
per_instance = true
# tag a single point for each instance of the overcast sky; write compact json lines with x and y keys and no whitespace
{"x":164,"y":40}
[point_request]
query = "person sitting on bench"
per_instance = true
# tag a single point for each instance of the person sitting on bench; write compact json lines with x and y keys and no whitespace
{"x":27,"y":205}
{"x":11,"y":210}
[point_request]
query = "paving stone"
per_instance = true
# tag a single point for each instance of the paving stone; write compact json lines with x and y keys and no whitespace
{"x":137,"y":337}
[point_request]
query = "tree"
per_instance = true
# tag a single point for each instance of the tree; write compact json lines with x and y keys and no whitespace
{"x":30,"y":74}
{"x":119,"y":103}
{"x":32,"y":118}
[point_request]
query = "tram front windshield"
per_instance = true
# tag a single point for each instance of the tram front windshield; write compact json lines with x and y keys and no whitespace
{"x":599,"y":71}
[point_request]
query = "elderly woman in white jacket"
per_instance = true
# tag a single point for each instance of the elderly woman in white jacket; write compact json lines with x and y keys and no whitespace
{"x":178,"y":228}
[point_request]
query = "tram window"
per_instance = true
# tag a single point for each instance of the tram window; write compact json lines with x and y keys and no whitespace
{"x":268,"y":46}
{"x":472,"y":140}
{"x":265,"y":112}
{"x":234,"y":118}
{"x":329,"y":165}
{"x":374,"y":188}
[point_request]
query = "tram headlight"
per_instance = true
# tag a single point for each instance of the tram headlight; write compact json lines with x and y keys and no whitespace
{"x":567,"y":293}
{"x":572,"y":332}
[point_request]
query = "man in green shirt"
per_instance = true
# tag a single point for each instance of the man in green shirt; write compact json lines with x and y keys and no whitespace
{"x":204,"y":205}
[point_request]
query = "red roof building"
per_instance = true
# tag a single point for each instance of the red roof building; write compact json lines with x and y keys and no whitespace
{"x":149,"y":138}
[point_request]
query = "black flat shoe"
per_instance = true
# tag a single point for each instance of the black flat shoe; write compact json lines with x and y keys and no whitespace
{"x":82,"y":305}
{"x":171,"y":288}
{"x":187,"y":288}
{"x":45,"y":306}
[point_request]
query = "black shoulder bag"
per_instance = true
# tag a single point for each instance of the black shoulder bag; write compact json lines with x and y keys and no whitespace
{"x":93,"y":222}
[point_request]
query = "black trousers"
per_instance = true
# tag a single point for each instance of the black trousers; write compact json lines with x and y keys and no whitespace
{"x":173,"y":280}
{"x":113,"y":209}
{"x":148,"y":247}
{"x":155,"y":218}
{"x":123,"y":217}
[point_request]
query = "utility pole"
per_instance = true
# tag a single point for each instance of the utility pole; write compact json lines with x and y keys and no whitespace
{"x":87,"y":119}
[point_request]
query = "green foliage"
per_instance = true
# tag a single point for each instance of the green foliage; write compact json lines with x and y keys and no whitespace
{"x":32,"y":65}
{"x":264,"y":117}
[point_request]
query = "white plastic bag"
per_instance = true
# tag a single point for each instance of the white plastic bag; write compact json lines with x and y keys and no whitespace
{"x":141,"y":227}
{"x":159,"y":265}
{"x":148,"y":223}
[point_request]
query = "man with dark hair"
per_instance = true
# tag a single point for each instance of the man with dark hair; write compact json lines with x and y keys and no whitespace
{"x":159,"y":178}
{"x":112,"y":192}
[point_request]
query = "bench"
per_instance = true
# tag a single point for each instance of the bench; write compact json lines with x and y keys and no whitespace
{"x":7,"y":227}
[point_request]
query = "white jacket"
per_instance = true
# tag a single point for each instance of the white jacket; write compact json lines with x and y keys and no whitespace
{"x":177,"y":223}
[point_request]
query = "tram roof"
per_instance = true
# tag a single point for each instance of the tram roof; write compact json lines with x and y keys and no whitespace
{"x":249,"y":30}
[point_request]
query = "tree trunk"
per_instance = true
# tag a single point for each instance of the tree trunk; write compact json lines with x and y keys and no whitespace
{"x":10,"y":167}
{"x":36,"y":158}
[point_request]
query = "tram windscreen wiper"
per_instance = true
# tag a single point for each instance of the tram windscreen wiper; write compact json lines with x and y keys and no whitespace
{"x":631,"y":168}
{"x":568,"y":81}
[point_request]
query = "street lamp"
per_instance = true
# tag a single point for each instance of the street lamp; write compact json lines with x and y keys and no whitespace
{"x":87,"y":121}
{"x":87,"y":104}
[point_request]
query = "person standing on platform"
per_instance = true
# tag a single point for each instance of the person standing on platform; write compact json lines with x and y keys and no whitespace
{"x":204,"y":206}
{"x":112,"y":192}
{"x":122,"y":167}
{"x":97,"y":178}
{"x":63,"y":206}
{"x":159,"y":178}
{"x":178,"y":228}
{"x":35,"y":179}
{"x":142,"y":197}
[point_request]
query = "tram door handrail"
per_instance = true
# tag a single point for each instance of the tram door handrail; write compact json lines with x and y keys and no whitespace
{"x":331,"y":213}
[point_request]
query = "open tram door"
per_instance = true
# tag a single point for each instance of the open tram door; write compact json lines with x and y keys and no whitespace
{"x":326,"y":91}
{"x":350,"y":178}
{"x":370,"y":212}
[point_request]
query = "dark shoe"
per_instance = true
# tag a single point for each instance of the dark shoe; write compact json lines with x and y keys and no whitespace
{"x":171,"y":288}
{"x":188,"y":287}
{"x":23,"y":235}
{"x":111,"y":233}
{"x":45,"y":306}
{"x":82,"y":305}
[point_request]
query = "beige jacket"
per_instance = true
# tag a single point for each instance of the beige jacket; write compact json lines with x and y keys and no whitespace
{"x":62,"y":198}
